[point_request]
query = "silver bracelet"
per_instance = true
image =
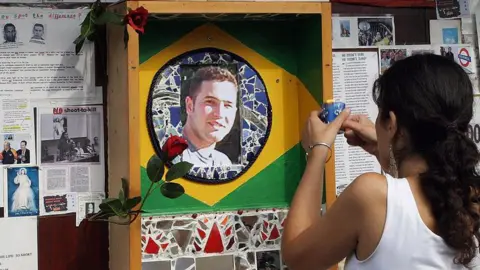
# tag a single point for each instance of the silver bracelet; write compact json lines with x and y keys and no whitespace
{"x":321,"y":144}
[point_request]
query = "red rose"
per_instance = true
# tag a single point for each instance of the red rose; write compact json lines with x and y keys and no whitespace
{"x":174,"y":146}
{"x":137,"y":19}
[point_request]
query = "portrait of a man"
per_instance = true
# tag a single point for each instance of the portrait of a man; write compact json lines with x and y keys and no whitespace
{"x":23,"y":154}
{"x":89,"y":208}
{"x":219,"y":104}
{"x":38,"y":33}
{"x":210,"y":115}
{"x":9,"y":33}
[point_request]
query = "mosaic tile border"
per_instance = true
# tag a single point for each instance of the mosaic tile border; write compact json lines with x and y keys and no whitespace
{"x":168,"y":237}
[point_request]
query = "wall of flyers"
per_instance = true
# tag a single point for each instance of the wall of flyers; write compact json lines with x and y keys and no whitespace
{"x":52,"y":158}
{"x":52,"y":124}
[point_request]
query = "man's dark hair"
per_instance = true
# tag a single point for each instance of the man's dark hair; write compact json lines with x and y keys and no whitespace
{"x":8,"y":25}
{"x":24,"y":142}
{"x":209,"y":73}
{"x":38,"y":24}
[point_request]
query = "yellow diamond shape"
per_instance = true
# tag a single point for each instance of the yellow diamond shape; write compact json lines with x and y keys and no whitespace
{"x":281,"y":85}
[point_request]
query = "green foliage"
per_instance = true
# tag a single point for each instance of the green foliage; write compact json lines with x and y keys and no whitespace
{"x":177,"y":170}
{"x":172,"y":190}
{"x":155,"y":169}
{"x":124,"y":207}
{"x":97,"y":16}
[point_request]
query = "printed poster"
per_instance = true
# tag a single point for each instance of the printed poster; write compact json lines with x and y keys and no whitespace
{"x":38,"y":54}
{"x":70,"y":146}
{"x":22,"y":191}
{"x":361,"y":69}
{"x":59,"y":203}
{"x":445,"y":32}
{"x":19,"y":249}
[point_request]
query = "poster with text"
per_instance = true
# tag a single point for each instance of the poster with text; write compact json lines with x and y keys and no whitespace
{"x":451,"y":9}
{"x":70,"y":146}
{"x":353,"y":76}
{"x":38,"y":54}
{"x":59,"y":203}
{"x":19,"y":248}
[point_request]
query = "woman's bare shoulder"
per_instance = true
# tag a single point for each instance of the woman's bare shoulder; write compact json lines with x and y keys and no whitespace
{"x":368,"y":188}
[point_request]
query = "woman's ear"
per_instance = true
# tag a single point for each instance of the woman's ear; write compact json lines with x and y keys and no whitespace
{"x":392,"y":125}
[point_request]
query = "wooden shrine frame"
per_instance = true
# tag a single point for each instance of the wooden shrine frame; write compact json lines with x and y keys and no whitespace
{"x":123,"y":113}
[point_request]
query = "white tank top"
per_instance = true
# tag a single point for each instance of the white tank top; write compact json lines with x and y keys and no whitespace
{"x":407,"y":243}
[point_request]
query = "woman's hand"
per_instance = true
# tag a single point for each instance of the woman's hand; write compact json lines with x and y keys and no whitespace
{"x":360,"y":131}
{"x":315,"y":131}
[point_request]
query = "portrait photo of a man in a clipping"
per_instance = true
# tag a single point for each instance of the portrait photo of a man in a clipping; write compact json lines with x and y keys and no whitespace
{"x":210,"y":115}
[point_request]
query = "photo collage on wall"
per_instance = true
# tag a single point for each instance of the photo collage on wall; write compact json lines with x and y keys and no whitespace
{"x":351,"y":32}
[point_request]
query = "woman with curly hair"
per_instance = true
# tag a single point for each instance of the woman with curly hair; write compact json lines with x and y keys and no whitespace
{"x":423,"y":212}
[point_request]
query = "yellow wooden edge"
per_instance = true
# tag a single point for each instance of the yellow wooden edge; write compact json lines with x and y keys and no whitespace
{"x":133,"y":130}
{"x":328,"y":94}
{"x":173,"y":7}
{"x":213,"y":7}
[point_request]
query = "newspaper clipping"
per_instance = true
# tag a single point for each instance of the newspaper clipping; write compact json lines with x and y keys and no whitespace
{"x":38,"y":55}
{"x":71,"y":135}
{"x":88,"y":203}
{"x":69,"y":140}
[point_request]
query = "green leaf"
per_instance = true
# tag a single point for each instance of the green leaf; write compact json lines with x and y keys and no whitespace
{"x":121,"y":196}
{"x":131,"y":203}
{"x":178,"y":170}
{"x":107,"y":200}
{"x":87,"y":25}
{"x":79,"y":45}
{"x":102,"y":215}
{"x":155,"y":168}
{"x":114,"y":205}
{"x":125,"y":187}
{"x":109,"y":17}
{"x":78,"y":39}
{"x":172,"y":190}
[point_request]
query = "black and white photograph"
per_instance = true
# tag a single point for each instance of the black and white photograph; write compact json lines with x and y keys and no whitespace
{"x":268,"y":260}
{"x":447,"y":52}
{"x":377,"y":31}
{"x":79,"y":141}
{"x":38,"y":33}
{"x":89,"y":208}
{"x":9,"y":33}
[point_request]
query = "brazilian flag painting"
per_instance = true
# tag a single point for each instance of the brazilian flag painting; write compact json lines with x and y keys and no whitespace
{"x":287,"y":54}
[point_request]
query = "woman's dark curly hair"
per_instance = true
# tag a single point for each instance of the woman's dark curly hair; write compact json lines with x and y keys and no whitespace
{"x":432,"y":98}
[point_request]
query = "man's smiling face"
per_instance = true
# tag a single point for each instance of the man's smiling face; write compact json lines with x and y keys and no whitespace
{"x":212,"y":112}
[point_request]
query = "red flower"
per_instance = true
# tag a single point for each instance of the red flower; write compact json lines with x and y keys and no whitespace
{"x":137,"y":19}
{"x":174,"y":146}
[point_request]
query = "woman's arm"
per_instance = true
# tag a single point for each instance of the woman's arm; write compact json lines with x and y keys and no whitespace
{"x":309,"y":239}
